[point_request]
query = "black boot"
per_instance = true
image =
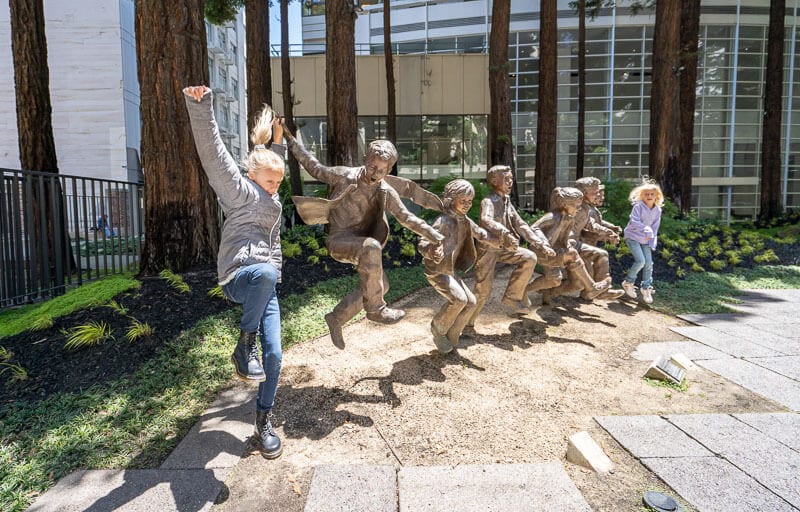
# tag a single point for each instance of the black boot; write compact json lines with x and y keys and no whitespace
{"x":270,"y":443}
{"x":245,"y":358}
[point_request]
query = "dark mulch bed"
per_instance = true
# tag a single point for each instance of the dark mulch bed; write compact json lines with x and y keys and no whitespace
{"x":52,"y":368}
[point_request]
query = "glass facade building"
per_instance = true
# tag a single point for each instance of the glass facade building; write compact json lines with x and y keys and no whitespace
{"x":728,"y":113}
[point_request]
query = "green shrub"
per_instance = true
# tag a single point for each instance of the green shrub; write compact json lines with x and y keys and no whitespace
{"x":313,"y":259}
{"x":88,"y":335}
{"x":680,"y":272}
{"x":717,"y":265}
{"x":689,"y":260}
{"x":291,"y":249}
{"x":174,"y":280}
{"x":408,"y":250}
{"x":697,"y":268}
{"x":138,"y":330}
{"x":768,"y":256}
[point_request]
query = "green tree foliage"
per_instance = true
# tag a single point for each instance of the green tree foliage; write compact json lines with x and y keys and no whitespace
{"x":222,"y":11}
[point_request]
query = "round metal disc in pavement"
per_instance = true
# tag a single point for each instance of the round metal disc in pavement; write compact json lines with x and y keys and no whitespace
{"x":661,"y":502}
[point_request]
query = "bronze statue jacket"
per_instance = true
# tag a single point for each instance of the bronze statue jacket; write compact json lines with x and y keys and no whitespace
{"x":498,"y":217}
{"x":355,"y":207}
{"x":587,"y":229}
{"x":458,"y":244}
{"x":597,"y":217}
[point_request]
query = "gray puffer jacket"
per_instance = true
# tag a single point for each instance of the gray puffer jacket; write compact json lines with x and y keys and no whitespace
{"x":251,"y":231}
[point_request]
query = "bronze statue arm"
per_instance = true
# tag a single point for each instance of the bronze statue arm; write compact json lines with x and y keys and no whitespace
{"x":329,"y":175}
{"x":480,"y":234}
{"x":407,"y":219}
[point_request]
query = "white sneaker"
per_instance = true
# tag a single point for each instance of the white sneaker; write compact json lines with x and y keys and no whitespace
{"x":630,"y":290}
{"x":647,"y":295}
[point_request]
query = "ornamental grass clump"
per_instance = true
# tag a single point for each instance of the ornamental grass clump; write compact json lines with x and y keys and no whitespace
{"x":138,"y":330}
{"x":174,"y":280}
{"x":88,"y":335}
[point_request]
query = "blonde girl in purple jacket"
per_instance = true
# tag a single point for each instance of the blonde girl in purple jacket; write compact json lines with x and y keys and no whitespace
{"x":641,"y":237}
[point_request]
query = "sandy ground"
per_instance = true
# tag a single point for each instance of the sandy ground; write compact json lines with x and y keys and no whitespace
{"x":513,"y":394}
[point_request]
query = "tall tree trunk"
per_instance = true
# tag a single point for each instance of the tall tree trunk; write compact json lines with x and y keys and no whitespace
{"x":340,"y":79}
{"x":581,"y":89}
{"x":545,"y":177}
{"x":259,"y":71}
{"x":664,"y":98}
{"x":500,"y":144}
{"x":388,"y":62}
{"x":295,"y":183}
{"x":181,"y":227}
{"x":771,"y":203}
{"x":37,"y":149}
{"x":690,"y":29}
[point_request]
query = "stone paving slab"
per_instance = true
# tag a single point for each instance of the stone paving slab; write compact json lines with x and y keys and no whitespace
{"x":715,"y":319}
{"x":781,"y":426}
{"x":732,"y":345}
{"x":133,"y":490}
{"x":218,"y":439}
{"x":758,"y":335}
{"x":788,"y":366}
{"x":757,"y":379}
{"x":651,"y":436}
{"x":489,"y":488}
{"x":760,"y":456}
{"x":691,"y":349}
{"x":714,"y":484}
{"x":789,"y":330}
{"x":352,"y":488}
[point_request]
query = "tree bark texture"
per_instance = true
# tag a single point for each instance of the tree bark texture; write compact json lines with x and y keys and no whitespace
{"x":664,"y":98}
{"x":771,"y":199}
{"x":340,"y":87}
{"x":690,"y":29}
{"x":581,"y":90}
{"x":259,"y":71}
{"x":388,"y":62}
{"x":37,"y":149}
{"x":500,"y":143}
{"x":545,"y":177}
{"x":181,"y":223}
{"x":295,"y":183}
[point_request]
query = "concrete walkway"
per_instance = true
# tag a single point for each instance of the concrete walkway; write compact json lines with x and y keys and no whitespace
{"x":730,"y":461}
{"x":713,"y":461}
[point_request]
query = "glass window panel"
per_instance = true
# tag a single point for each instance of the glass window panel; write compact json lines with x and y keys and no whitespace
{"x":475,"y":150}
{"x":441,"y":146}
{"x":629,"y":33}
{"x":528,"y":65}
{"x":599,"y":62}
{"x":409,"y":147}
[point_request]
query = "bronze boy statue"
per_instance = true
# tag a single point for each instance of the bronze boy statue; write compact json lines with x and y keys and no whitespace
{"x":501,"y":220}
{"x":594,"y":202}
{"x":458,"y":255}
{"x":558,"y":226}
{"x":357,"y":210}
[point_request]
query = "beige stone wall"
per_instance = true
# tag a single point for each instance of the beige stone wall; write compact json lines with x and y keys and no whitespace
{"x":426,"y":84}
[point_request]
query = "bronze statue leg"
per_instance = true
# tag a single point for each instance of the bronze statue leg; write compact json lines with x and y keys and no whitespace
{"x":484,"y":277}
{"x":525,"y":262}
{"x":458,"y":297}
{"x":596,"y":261}
{"x":366,"y":254}
{"x":454,"y":333}
{"x":346,"y":310}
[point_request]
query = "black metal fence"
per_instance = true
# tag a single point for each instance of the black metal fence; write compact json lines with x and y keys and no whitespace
{"x":58,"y":231}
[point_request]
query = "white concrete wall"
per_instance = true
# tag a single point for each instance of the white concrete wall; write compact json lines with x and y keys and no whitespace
{"x":86,"y":88}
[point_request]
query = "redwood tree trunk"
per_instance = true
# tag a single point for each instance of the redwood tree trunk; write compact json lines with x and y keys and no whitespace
{"x":771,"y":203}
{"x":37,"y":149}
{"x":259,"y":71}
{"x":295,"y":183}
{"x":581,"y":89}
{"x":388,"y":62}
{"x":690,"y":28}
{"x":500,"y":144}
{"x":545,"y":178}
{"x":181,"y":227}
{"x":340,"y":80}
{"x":664,"y":96}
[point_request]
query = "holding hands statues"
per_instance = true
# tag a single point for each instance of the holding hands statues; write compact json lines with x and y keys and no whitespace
{"x":356,"y":211}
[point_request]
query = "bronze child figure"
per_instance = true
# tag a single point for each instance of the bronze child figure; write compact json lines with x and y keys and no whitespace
{"x":558,"y":226}
{"x":360,"y":199}
{"x":501,"y":220}
{"x":458,"y":254}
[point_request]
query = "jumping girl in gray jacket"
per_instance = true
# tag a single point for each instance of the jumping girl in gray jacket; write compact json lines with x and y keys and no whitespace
{"x":249,"y":258}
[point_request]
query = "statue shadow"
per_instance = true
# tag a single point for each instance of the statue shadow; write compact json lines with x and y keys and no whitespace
{"x":417,"y":369}
{"x":524,"y":334}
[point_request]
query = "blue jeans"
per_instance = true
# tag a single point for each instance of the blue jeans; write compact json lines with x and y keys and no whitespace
{"x":642,"y":259}
{"x":253,"y":287}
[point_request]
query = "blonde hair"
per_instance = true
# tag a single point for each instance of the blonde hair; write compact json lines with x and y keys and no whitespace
{"x":647,"y":184}
{"x":262,"y":157}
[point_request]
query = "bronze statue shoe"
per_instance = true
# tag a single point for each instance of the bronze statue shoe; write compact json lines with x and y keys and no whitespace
{"x":386,"y":315}
{"x":335,"y":328}
{"x":443,"y":345}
